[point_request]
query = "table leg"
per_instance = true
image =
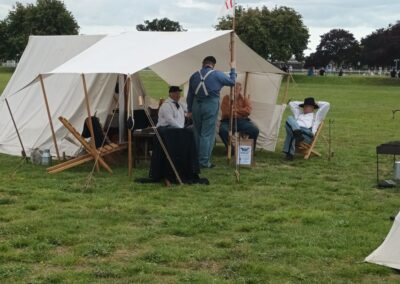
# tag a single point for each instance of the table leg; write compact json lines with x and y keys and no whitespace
{"x":146,"y":146}
{"x":377,"y":169}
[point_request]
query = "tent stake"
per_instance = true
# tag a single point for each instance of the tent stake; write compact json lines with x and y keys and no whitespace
{"x":90,"y":124}
{"x":49,"y":116}
{"x":16,"y":129}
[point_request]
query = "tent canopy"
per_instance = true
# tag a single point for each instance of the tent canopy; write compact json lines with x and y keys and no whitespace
{"x":174,"y":56}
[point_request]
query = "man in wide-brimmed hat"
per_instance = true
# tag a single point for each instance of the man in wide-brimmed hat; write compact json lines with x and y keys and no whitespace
{"x":303,"y":124}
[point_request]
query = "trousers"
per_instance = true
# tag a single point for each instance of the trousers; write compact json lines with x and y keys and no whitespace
{"x":244,"y":125}
{"x":289,"y":146}
{"x":204,"y":114}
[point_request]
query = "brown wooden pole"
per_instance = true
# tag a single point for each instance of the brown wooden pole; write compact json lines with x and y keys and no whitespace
{"x":128,"y":109}
{"x":284,"y":99}
{"x":49,"y":116}
{"x":16,"y":129}
{"x":233,"y":89}
{"x":90,"y":123}
{"x":245,"y":84}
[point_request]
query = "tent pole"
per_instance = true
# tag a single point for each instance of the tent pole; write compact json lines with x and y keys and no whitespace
{"x":233,"y":89}
{"x":128,"y":109}
{"x":90,"y":124}
{"x":16,"y":129}
{"x":245,"y":84}
{"x":286,"y":90}
{"x":49,"y":116}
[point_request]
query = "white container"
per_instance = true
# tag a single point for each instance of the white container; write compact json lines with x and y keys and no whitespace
{"x":397,"y":170}
{"x":46,"y":158}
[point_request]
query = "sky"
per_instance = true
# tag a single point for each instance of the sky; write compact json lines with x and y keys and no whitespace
{"x":360,"y":17}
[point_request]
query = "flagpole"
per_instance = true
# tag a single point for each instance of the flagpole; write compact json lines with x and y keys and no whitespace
{"x":232,"y":94}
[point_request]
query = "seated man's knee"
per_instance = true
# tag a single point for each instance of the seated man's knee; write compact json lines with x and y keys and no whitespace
{"x":223,"y":129}
{"x":253,"y":132}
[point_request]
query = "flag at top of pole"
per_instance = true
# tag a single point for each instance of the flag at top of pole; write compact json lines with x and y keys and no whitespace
{"x":228,"y":9}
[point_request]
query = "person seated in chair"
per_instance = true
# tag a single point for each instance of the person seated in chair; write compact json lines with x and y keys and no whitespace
{"x":302,"y":126}
{"x":100,"y":137}
{"x":244,"y":124}
{"x":172,"y":112}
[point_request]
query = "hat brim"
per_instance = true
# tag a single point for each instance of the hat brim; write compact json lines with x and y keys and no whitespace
{"x":174,"y":91}
{"x":314,"y":105}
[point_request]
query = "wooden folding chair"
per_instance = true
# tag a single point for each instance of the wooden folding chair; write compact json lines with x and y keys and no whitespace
{"x":92,"y":153}
{"x":308,"y":149}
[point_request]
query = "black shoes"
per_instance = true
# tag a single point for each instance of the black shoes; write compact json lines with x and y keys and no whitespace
{"x":289,"y":157}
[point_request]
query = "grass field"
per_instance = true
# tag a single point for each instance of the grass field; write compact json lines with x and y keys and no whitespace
{"x":307,"y":221}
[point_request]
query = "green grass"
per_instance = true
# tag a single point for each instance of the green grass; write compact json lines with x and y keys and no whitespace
{"x":307,"y":221}
{"x":5,"y":75}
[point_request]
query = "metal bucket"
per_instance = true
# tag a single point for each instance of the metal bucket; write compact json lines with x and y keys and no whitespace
{"x":397,"y":170}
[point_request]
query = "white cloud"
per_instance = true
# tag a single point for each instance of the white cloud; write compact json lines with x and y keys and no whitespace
{"x":191,"y":4}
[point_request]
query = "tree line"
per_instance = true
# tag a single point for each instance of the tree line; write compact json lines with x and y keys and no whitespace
{"x":46,"y":17}
{"x":339,"y":47}
{"x":277,"y":34}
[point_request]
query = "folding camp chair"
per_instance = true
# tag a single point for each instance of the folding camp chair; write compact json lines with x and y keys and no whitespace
{"x":92,"y":152}
{"x":308,"y":149}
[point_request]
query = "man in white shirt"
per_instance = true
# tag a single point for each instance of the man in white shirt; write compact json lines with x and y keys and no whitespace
{"x":172,"y":112}
{"x":303,"y":124}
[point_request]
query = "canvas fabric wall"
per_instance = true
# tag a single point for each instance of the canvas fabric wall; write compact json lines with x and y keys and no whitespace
{"x":102,"y":59}
{"x":65,"y":95}
{"x":388,"y":253}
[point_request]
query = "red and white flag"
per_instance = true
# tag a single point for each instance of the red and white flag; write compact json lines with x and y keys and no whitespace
{"x":228,"y":9}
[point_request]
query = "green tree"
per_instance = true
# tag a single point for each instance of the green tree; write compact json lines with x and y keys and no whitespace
{"x":276,"y":34}
{"x":381,"y":47}
{"x":338,"y":46}
{"x":162,"y":25}
{"x":3,"y":39}
{"x":46,"y":17}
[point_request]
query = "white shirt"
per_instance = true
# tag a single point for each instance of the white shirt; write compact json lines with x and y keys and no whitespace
{"x":170,"y":115}
{"x":309,"y":120}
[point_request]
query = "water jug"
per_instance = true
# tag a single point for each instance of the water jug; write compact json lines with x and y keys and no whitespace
{"x":46,"y":158}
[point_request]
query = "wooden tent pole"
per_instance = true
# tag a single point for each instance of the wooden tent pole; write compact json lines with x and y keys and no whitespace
{"x":49,"y":116}
{"x":128,"y":109}
{"x":233,"y":89}
{"x":245,"y":84}
{"x":284,"y":99}
{"x":90,"y":124}
{"x":16,"y":129}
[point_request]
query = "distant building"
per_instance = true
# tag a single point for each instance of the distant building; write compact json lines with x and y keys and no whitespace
{"x":9,"y":63}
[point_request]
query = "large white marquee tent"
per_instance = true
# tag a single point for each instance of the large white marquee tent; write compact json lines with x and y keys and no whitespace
{"x":174,"y":56}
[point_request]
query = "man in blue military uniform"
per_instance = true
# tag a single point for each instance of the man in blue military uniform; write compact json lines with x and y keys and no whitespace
{"x":203,"y":105}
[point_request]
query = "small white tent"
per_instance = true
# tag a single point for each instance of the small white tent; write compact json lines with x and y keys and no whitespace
{"x":174,"y":56}
{"x":388,"y":253}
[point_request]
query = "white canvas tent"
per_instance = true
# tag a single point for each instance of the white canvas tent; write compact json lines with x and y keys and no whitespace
{"x":388,"y":253}
{"x":174,"y":56}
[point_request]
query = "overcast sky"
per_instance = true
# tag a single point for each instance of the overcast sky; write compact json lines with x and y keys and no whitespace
{"x":360,"y":17}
